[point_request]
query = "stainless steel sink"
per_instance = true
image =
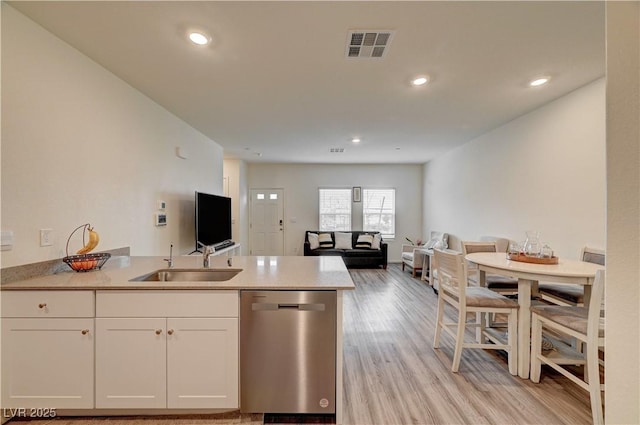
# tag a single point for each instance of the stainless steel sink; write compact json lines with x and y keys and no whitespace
{"x":188,"y":275}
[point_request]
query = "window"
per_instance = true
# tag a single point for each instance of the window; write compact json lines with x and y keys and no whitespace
{"x":379,"y":211}
{"x":335,"y":209}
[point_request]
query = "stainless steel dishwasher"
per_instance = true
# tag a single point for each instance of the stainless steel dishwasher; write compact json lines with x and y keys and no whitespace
{"x":288,"y":351}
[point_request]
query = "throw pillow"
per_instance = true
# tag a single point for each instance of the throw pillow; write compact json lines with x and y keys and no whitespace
{"x":325,"y":241}
{"x":364,"y":241}
{"x":433,"y":243}
{"x":313,"y":240}
{"x":343,"y":240}
{"x":437,"y":242}
{"x":377,"y":238}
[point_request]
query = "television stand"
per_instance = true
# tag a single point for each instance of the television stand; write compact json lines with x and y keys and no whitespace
{"x":229,"y":250}
{"x":223,"y":245}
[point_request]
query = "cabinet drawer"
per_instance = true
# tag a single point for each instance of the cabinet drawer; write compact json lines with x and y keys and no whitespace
{"x":48,"y":304}
{"x":167,"y":303}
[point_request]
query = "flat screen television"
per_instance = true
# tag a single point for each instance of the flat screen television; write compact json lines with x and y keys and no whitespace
{"x":213,"y":219}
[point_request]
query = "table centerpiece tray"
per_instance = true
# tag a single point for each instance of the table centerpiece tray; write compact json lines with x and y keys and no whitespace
{"x":530,"y":259}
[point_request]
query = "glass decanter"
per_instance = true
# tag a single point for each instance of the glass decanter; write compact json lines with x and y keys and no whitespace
{"x":547,"y":251}
{"x":532,"y":245}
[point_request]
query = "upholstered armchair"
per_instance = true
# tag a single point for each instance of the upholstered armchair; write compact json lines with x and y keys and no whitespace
{"x":413,"y":255}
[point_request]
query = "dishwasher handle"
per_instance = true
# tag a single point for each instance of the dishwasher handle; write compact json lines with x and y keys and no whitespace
{"x":287,"y":306}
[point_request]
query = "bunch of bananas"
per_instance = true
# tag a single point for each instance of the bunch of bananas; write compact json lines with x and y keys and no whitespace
{"x":94,"y":238}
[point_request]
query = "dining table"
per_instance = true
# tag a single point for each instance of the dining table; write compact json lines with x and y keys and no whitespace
{"x":529,"y":274}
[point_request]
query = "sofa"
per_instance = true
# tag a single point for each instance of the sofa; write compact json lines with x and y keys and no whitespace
{"x":354,"y":254}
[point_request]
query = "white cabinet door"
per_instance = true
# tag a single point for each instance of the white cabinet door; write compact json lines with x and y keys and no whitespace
{"x":202,"y":363}
{"x":131,"y":368}
{"x":47,"y":363}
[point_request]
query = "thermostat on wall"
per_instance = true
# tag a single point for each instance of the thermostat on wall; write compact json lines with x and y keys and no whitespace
{"x":161,"y":219}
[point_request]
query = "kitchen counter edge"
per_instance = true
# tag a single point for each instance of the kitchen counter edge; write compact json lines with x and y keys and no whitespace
{"x":258,"y":272}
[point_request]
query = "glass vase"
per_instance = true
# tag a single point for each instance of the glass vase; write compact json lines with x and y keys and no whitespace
{"x":532,"y":245}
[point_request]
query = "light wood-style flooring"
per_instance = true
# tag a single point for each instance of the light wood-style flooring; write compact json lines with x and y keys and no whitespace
{"x":392,"y":375}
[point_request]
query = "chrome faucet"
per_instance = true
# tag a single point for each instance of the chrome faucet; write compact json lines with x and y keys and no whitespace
{"x":207,"y":251}
{"x":170,"y":259}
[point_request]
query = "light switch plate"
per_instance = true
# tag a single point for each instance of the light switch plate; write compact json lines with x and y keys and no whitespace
{"x":46,"y":237}
{"x":7,"y":240}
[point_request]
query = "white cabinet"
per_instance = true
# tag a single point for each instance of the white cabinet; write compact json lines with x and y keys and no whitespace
{"x":47,"y":349}
{"x":147,"y":359}
{"x":202,"y":362}
{"x":131,"y":363}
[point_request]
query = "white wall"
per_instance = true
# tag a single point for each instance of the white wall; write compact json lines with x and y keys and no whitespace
{"x":622,"y":344}
{"x":302,"y":181}
{"x":543,"y":171}
{"x":235,"y":171}
{"x":80,"y":145}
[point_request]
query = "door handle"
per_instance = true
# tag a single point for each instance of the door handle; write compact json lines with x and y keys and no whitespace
{"x":263,"y":306}
{"x":302,"y":307}
{"x":286,"y":306}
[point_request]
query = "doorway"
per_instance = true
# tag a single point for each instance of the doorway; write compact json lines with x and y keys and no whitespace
{"x":267,"y":222}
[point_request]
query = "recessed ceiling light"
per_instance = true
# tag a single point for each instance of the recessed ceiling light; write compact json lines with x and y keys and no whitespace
{"x":420,"y":80}
{"x":355,"y":140}
{"x":539,"y":81}
{"x":199,"y":38}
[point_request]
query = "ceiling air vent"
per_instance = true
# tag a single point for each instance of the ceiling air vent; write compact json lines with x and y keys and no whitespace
{"x":336,"y":150}
{"x":368,"y":43}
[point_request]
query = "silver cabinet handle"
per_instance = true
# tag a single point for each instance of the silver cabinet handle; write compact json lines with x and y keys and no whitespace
{"x":286,"y":306}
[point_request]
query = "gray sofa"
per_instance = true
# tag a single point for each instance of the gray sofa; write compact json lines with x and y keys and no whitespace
{"x":354,"y":257}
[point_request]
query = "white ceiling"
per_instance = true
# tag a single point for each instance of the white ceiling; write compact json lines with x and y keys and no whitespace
{"x":275,"y":85}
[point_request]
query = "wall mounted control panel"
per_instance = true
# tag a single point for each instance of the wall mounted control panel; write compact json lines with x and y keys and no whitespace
{"x":161,"y":219}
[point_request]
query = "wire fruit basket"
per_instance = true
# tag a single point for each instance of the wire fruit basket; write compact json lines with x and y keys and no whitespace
{"x":86,"y":261}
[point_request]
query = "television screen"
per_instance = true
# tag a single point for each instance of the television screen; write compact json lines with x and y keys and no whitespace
{"x":213,"y":219}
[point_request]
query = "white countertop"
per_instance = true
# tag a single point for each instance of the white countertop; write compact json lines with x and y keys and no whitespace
{"x":262,"y":273}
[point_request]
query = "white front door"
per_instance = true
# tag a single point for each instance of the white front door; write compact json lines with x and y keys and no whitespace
{"x":267,"y":222}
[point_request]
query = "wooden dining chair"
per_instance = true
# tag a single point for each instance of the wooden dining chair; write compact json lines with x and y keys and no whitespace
{"x":451,"y":269}
{"x":566,"y":294}
{"x":585,"y":324}
{"x":498,"y":283}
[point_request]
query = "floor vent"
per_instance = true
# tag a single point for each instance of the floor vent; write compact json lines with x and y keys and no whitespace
{"x":368,"y":43}
{"x":336,"y":150}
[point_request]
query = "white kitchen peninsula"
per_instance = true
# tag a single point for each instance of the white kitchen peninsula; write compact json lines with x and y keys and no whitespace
{"x":71,"y":340}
